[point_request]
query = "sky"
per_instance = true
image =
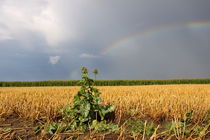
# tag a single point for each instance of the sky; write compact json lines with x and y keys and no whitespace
{"x":123,"y":39}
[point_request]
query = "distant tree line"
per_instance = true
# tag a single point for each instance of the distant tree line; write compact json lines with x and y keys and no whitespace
{"x":103,"y":82}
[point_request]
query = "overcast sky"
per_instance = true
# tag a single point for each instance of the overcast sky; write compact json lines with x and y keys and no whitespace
{"x":123,"y":39}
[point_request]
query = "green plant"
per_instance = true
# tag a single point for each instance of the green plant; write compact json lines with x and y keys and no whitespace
{"x":101,"y":126}
{"x":180,"y":126}
{"x":150,"y":129}
{"x":200,"y":130}
{"x":188,"y":117}
{"x":95,"y":71}
{"x":87,"y":111}
{"x":136,"y":128}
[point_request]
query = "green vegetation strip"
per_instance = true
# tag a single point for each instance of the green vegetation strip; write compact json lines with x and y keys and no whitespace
{"x":103,"y":82}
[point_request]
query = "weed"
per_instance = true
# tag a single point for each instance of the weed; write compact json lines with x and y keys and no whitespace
{"x":136,"y":128}
{"x":87,"y":112}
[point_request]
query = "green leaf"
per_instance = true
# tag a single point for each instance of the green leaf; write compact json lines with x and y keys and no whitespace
{"x":51,"y":129}
{"x":150,"y":129}
{"x":86,"y":109}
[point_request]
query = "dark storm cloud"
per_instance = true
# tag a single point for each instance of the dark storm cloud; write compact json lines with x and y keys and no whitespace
{"x":52,"y":39}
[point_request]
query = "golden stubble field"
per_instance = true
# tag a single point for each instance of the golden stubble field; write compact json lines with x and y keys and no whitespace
{"x":157,"y":103}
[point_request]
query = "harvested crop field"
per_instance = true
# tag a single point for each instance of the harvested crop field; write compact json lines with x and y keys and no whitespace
{"x":157,"y":104}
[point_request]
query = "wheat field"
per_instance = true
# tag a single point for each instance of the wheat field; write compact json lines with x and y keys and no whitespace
{"x":160,"y":102}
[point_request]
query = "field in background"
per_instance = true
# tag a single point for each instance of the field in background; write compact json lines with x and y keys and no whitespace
{"x":154,"y":103}
{"x":103,"y":82}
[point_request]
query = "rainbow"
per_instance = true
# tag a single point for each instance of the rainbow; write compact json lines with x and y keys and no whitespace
{"x":152,"y":31}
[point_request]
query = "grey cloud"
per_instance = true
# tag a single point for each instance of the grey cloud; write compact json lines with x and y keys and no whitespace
{"x":78,"y":31}
{"x":85,"y":55}
{"x":54,"y":59}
